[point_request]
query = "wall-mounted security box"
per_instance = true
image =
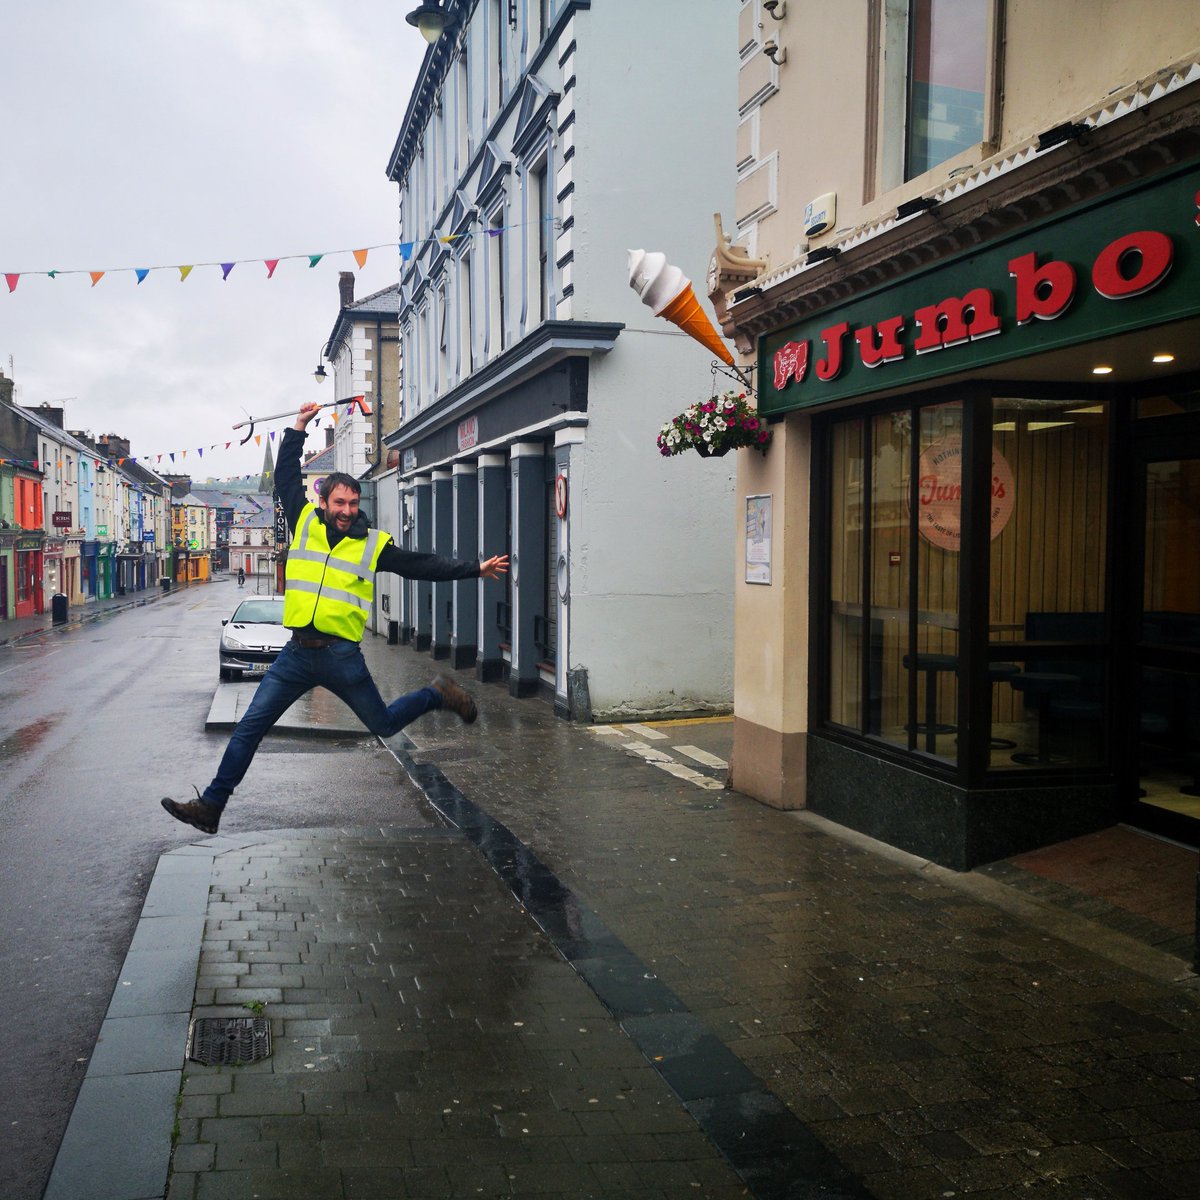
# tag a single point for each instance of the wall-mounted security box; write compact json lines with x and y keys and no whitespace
{"x":819,"y":214}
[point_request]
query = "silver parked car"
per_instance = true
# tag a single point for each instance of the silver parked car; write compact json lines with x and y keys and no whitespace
{"x":253,"y":637}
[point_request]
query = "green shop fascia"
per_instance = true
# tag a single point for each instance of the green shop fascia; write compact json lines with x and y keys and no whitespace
{"x":1108,"y":267}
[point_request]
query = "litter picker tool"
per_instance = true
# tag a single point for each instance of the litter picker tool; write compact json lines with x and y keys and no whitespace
{"x":352,"y":402}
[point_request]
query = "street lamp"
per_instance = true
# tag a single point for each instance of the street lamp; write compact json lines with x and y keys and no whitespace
{"x":430,"y":20}
{"x":320,"y":374}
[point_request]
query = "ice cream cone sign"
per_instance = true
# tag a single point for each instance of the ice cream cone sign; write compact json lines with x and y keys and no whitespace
{"x":667,"y":291}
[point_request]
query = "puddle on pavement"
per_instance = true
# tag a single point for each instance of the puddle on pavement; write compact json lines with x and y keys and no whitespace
{"x":28,"y":737}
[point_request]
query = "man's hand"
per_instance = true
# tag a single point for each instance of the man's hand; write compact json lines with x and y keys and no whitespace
{"x":308,"y":410}
{"x":493,"y":568}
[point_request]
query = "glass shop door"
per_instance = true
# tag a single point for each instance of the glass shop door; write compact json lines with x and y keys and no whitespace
{"x":1163,"y":721}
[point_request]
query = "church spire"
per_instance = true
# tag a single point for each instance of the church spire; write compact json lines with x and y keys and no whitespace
{"x":266,"y":485}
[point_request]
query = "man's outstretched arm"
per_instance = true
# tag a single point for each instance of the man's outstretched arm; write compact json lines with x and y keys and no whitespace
{"x":413,"y":565}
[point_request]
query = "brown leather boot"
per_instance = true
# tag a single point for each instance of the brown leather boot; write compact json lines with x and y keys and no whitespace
{"x":456,"y":699}
{"x":196,"y":813}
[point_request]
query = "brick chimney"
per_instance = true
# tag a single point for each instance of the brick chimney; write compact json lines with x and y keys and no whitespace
{"x":6,"y":389}
{"x":48,"y":413}
{"x":346,"y":288}
{"x":113,"y":446}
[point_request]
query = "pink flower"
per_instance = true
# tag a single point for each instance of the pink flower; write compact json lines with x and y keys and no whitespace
{"x":763,"y":435}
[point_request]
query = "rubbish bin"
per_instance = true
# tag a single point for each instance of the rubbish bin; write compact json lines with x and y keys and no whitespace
{"x":58,"y":609}
{"x":166,"y":583}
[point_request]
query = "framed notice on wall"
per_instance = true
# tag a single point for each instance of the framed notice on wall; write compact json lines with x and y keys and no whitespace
{"x":758,"y":539}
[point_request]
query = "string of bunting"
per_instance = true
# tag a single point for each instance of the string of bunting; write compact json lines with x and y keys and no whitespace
{"x":407,"y":250}
{"x":145,"y":459}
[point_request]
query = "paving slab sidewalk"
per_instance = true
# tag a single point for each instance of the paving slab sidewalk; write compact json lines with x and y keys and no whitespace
{"x":785,"y":1010}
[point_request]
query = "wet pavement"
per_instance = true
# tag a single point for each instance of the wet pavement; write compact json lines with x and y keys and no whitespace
{"x":596,"y":972}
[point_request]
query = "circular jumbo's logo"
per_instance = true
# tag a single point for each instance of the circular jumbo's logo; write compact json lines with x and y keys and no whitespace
{"x":939,"y":494}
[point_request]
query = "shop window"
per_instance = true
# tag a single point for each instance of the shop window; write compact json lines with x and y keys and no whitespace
{"x":901,"y":557}
{"x":1047,"y":633}
{"x":1172,"y":405}
{"x":893,"y":661}
{"x":845,"y":695}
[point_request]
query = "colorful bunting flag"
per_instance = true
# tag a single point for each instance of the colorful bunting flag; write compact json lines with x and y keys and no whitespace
{"x":407,"y":249}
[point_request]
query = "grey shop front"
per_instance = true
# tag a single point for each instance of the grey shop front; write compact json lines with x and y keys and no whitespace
{"x":1005,"y":566}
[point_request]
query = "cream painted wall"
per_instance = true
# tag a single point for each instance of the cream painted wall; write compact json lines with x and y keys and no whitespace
{"x":1065,"y":56}
{"x":770,"y":680}
{"x":1061,"y":59}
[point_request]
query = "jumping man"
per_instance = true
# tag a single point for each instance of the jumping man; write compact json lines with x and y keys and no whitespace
{"x":330,"y":581}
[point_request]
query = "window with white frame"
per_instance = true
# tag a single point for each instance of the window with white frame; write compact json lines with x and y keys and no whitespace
{"x":466,"y":139}
{"x":418,"y":358}
{"x":497,"y":268}
{"x":498,"y":32}
{"x":541,"y":238}
{"x":443,"y":339}
{"x":466,"y":318}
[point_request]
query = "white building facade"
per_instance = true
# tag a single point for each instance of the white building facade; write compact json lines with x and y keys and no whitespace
{"x":362,"y":351}
{"x":542,"y":141}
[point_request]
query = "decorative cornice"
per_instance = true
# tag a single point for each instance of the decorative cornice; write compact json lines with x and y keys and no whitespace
{"x":999,"y":198}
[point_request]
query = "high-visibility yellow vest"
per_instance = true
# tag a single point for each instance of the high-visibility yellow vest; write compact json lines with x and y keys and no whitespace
{"x":331,"y":589}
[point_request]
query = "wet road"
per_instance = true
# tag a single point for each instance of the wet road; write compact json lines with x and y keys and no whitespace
{"x":96,"y":724}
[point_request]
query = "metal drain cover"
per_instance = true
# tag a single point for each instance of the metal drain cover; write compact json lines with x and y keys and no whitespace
{"x":213,"y":1040}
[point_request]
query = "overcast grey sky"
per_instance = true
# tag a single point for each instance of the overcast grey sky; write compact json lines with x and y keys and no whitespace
{"x":140,"y":133}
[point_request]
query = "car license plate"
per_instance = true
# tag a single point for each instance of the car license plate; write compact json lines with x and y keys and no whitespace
{"x":258,"y":668}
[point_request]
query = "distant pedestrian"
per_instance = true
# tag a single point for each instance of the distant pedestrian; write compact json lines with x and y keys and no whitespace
{"x":329,"y":586}
{"x":241,"y":576}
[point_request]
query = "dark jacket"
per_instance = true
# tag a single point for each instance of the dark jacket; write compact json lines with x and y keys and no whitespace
{"x":289,"y":487}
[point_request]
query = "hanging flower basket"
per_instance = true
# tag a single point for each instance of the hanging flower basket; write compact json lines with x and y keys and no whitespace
{"x":714,"y":427}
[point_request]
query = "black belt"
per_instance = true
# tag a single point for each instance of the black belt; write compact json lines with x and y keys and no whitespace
{"x":313,"y":643}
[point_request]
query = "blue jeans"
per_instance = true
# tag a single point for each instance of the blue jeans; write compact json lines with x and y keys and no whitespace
{"x":340,"y":667}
